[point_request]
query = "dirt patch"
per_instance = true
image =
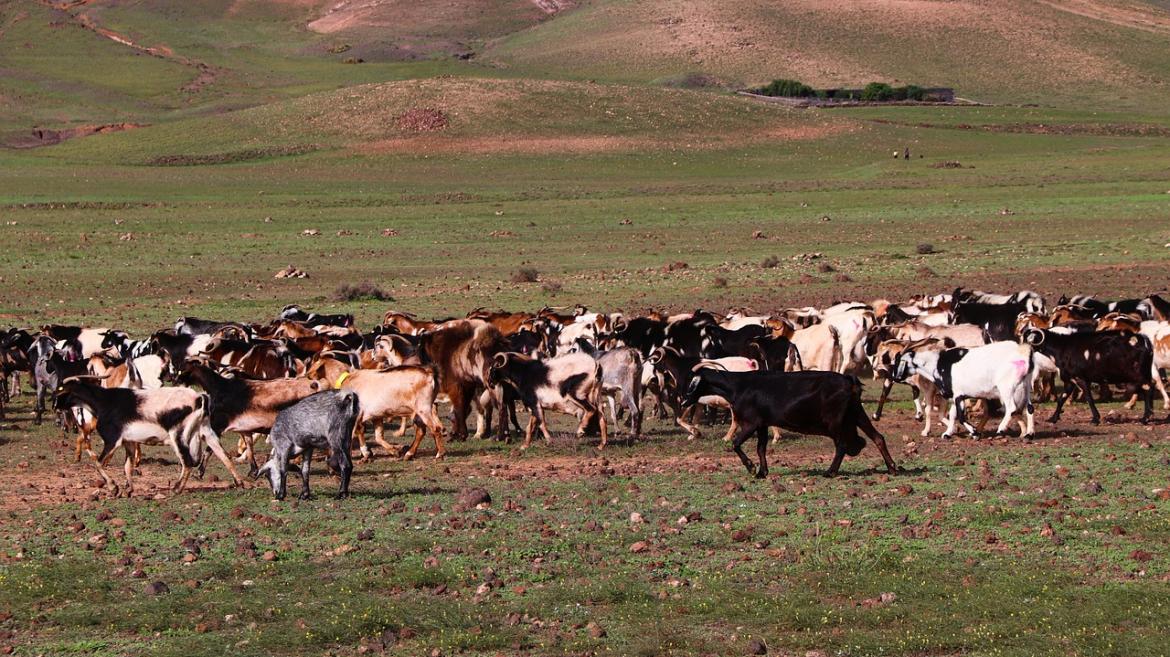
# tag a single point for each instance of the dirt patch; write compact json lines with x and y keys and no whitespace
{"x":523,"y":145}
{"x":422,"y":119}
{"x":48,"y":137}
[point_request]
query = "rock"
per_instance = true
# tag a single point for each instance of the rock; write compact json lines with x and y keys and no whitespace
{"x":268,"y":555}
{"x":636,"y":518}
{"x":291,"y":272}
{"x":596,"y":631}
{"x":757,"y":647}
{"x":365,"y":535}
{"x":1093,"y":487}
{"x":389,"y":232}
{"x":470,"y":498}
{"x":156,"y":588}
{"x":639,"y":547}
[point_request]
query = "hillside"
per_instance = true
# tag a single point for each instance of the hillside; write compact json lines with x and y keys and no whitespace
{"x":1083,"y":52}
{"x":149,"y":61}
{"x":464,"y":114}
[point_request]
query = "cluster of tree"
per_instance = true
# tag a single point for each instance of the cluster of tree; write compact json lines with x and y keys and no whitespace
{"x":874,"y":91}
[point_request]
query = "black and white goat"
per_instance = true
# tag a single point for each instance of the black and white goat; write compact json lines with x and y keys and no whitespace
{"x":168,"y":416}
{"x":998,"y":371}
{"x":570,"y":384}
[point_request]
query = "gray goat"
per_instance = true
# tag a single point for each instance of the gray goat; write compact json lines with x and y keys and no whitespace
{"x":621,"y":379}
{"x":320,"y":421}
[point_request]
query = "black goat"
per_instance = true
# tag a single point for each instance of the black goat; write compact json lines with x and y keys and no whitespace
{"x":820,"y":403}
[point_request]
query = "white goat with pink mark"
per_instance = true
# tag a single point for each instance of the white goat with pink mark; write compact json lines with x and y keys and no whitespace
{"x":1000,"y":370}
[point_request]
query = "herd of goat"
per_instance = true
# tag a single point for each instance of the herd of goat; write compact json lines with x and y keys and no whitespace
{"x":313,"y":382}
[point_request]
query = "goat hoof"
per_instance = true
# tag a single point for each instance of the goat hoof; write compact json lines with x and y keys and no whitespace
{"x":304,"y":497}
{"x":407,"y":456}
{"x":1095,"y":421}
{"x":761,"y":474}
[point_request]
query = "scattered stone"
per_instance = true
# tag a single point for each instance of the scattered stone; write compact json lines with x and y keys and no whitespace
{"x":596,"y":631}
{"x":156,"y":588}
{"x":757,"y":647}
{"x":471,"y":498}
{"x":639,"y":547}
{"x":291,"y":272}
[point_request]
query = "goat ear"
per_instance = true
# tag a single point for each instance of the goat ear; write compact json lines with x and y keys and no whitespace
{"x":500,"y":359}
{"x":263,"y":469}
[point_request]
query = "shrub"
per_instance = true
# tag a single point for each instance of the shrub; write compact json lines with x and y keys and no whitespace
{"x":719,"y":282}
{"x":826,"y":268}
{"x":788,"y":89}
{"x":360,"y":292}
{"x":877,"y":91}
{"x":771,"y":262}
{"x":552,"y":287}
{"x":915,"y":92}
{"x":924,"y":249}
{"x":526,"y":275}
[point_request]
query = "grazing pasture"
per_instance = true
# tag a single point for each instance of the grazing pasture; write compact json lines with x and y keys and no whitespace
{"x":517,"y":155}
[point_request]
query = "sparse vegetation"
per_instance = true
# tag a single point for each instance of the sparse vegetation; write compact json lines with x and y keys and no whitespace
{"x":360,"y":292}
{"x":771,"y":262}
{"x":526,"y":275}
{"x":719,"y":282}
{"x":924,"y":248}
{"x":552,"y":287}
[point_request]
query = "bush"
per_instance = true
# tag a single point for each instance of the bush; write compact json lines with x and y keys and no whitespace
{"x":360,"y":292}
{"x":788,"y":89}
{"x":771,"y":262}
{"x":915,"y":92}
{"x":719,"y":282}
{"x":526,"y":275}
{"x":877,"y":91}
{"x":924,"y":248}
{"x":552,"y":287}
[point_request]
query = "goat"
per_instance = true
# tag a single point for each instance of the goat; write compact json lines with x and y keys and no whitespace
{"x":821,"y":403}
{"x":324,"y":420}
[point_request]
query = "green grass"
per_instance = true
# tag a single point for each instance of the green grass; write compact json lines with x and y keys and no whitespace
{"x":964,"y":541}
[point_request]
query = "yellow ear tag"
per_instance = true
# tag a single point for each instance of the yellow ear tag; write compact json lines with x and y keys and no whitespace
{"x":340,"y":380}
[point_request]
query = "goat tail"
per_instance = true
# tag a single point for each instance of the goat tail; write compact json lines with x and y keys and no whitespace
{"x":837,"y":357}
{"x":353,"y":403}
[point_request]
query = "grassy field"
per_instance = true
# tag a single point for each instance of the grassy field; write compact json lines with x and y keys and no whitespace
{"x":565,"y":151}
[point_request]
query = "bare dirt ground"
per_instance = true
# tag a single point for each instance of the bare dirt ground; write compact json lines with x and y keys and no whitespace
{"x":41,"y":471}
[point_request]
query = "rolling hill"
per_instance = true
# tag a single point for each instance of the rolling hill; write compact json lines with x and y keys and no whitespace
{"x":147,"y":61}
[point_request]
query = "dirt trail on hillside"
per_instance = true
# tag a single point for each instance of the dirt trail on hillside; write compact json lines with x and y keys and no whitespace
{"x":1141,"y":18}
{"x":75,"y":10}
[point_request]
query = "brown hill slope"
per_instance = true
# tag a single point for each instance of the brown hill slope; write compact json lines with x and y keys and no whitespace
{"x":1001,"y":50}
